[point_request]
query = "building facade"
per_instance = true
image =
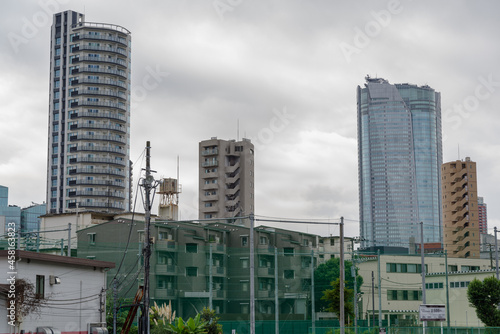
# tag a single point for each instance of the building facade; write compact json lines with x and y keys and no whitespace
{"x":460,"y":209}
{"x":399,"y":159}
{"x":226,"y":178}
{"x":31,"y":217}
{"x":89,"y":116}
{"x":193,"y":265}
{"x":73,"y":290}
{"x":482,"y":209}
{"x":401,"y":285}
{"x":9,"y":214}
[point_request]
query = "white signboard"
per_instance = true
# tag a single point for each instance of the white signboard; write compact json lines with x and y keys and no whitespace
{"x":432,"y":312}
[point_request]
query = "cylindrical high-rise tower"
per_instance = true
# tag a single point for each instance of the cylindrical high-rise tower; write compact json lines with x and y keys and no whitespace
{"x":89,"y":116}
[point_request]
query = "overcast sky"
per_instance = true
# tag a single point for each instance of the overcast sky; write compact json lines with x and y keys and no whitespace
{"x":286,"y":71}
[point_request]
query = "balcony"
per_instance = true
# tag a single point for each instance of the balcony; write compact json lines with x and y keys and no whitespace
{"x":86,"y":193}
{"x":216,"y":271}
{"x":114,"y":116}
{"x":166,"y":245}
{"x":105,"y":104}
{"x":116,"y":61}
{"x":102,"y":92}
{"x":213,"y":163}
{"x":165,"y":293}
{"x":97,"y":182}
{"x":120,"y":73}
{"x":98,"y":126}
{"x":98,"y":82}
{"x":103,"y":37}
{"x":116,"y":139}
{"x":265,"y":294}
{"x":107,"y":161}
{"x":104,"y":171}
{"x":97,"y":149}
{"x":213,"y":151}
{"x":265,"y":272}
{"x":165,"y":269}
{"x":101,"y":205}
{"x":103,"y":48}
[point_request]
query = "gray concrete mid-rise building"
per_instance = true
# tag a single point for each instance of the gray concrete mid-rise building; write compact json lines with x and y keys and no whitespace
{"x":226,"y":178}
{"x":89,"y":116}
{"x":399,"y":157}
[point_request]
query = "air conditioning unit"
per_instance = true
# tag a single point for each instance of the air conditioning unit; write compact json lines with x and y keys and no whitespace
{"x":152,"y":239}
{"x":54,"y":280}
{"x":169,"y":237}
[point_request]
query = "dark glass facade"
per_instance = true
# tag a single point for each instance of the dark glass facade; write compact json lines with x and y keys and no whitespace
{"x":400,"y":157}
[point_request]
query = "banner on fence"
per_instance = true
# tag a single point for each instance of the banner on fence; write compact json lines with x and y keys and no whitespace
{"x":432,"y":312}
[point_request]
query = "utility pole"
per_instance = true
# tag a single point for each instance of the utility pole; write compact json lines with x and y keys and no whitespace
{"x":496,"y":250}
{"x":342,"y":276}
{"x":373,"y":299}
{"x":148,"y":184}
{"x":252,"y":277}
{"x":447,"y":292}
{"x":210,"y":280}
{"x":379,"y":290}
{"x":115,"y":307}
{"x":69,"y":239}
{"x":353,"y":274}
{"x":276,"y":299}
{"x":313,"y":301}
{"x":423,"y":269}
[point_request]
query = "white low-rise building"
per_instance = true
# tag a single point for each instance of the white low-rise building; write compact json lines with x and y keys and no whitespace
{"x":73,"y":290}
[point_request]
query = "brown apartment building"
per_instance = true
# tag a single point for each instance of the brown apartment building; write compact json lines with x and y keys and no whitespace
{"x":460,"y":208}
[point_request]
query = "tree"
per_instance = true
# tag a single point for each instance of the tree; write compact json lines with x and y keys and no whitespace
{"x":328,"y":272}
{"x":26,"y":301}
{"x":210,"y":318}
{"x":121,"y":315}
{"x":485,"y":296}
{"x":332,"y":297}
{"x":191,"y":326}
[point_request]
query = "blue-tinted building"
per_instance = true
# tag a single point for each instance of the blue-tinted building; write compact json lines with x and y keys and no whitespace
{"x":30,"y":217}
{"x":8,"y":213}
{"x":399,"y":157}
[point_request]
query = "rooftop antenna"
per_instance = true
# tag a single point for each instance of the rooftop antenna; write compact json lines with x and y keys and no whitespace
{"x":458,"y":151}
{"x":238,"y":129}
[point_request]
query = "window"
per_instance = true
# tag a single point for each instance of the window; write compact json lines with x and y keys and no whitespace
{"x":244,"y":263}
{"x":191,"y":248}
{"x":288,"y":251}
{"x":305,"y":242}
{"x":57,"y":84}
{"x":57,"y":73}
{"x":244,"y":241}
{"x":263,"y":240}
{"x":40,"y":286}
{"x":91,"y":238}
{"x":288,"y":274}
{"x":244,"y":285}
{"x":57,"y":62}
{"x":191,"y":271}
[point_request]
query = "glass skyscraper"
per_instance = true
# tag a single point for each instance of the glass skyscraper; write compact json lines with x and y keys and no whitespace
{"x":399,"y":157}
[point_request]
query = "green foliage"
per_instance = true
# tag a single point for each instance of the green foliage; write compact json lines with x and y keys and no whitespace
{"x":212,"y":326}
{"x":121,"y":315}
{"x":191,"y":326}
{"x":332,"y":297}
{"x":328,"y":272}
{"x":485,"y":296}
